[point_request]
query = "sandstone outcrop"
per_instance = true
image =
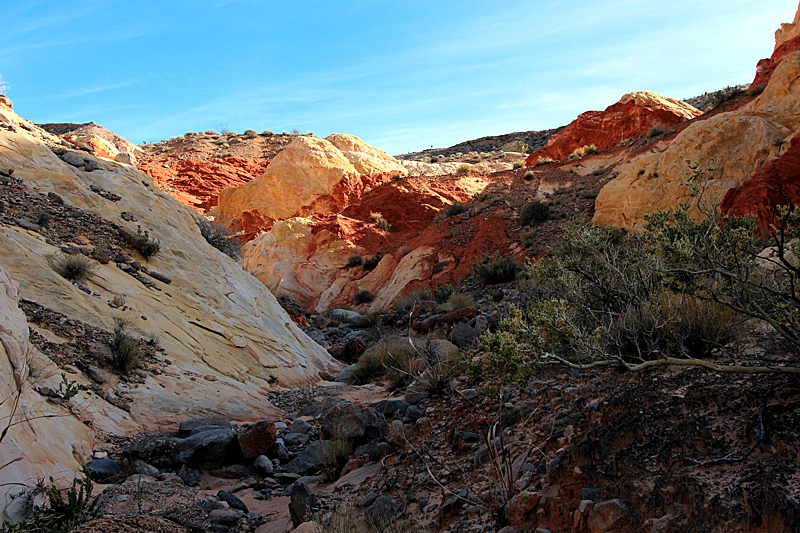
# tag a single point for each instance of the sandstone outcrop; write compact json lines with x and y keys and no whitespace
{"x":226,"y":338}
{"x":305,"y":258}
{"x":307,"y":170}
{"x":787,"y":40}
{"x":776,"y":183}
{"x":46,"y":439}
{"x":196,"y":182}
{"x":632,"y":116}
{"x":97,"y":140}
{"x":736,"y":144}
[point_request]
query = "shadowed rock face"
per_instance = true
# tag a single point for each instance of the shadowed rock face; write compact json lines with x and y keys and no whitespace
{"x":632,"y":116}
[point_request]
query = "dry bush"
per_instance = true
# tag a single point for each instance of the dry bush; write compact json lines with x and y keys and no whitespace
{"x":460,"y":301}
{"x":380,"y":222}
{"x":77,"y":267}
{"x":334,"y":453}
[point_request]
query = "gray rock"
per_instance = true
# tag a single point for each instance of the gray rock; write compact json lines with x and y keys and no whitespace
{"x":279,"y":451}
{"x":225,"y":517}
{"x":140,"y":467}
{"x":301,"y":507}
{"x":306,"y":461}
{"x":295,"y":439}
{"x":315,"y":335}
{"x":347,"y":374}
{"x":608,"y":515}
{"x":301,"y":426}
{"x":232,"y":500}
{"x":587,"y":493}
{"x":414,"y":412}
{"x":368,"y":500}
{"x":187,"y":426}
{"x":381,"y":512}
{"x":126,"y":158}
{"x":350,"y":317}
{"x":416,"y":392}
{"x":463,"y":336}
{"x":73,"y":159}
{"x":391,"y":408}
{"x":189,"y":476}
{"x":263,"y":465}
{"x":208,"y":449}
{"x":361,"y":424}
{"x":97,"y":375}
{"x":469,"y":394}
{"x":27,"y":224}
{"x":103,"y":469}
{"x":209,"y":504}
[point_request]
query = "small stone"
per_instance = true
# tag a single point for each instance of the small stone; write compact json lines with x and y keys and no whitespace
{"x":263,"y":465}
{"x":232,"y":500}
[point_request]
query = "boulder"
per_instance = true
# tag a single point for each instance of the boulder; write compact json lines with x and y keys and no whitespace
{"x":303,"y":502}
{"x":258,"y":438}
{"x":357,"y":423}
{"x":607,"y":516}
{"x":521,"y":510}
{"x":190,"y":426}
{"x":208,"y":449}
{"x":263,"y":465}
{"x":632,"y":116}
{"x":307,"y":460}
{"x":103,"y":470}
{"x":381,"y":512}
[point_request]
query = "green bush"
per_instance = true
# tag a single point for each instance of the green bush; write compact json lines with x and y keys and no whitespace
{"x":59,"y":515}
{"x":380,"y":222}
{"x":221,"y":238}
{"x":454,"y":209}
{"x":534,"y":213}
{"x":460,"y":301}
{"x":517,"y":164}
{"x":147,"y":246}
{"x":443,"y":292}
{"x":495,"y":269}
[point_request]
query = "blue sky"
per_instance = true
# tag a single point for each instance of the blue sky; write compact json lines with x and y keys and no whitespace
{"x":402,"y":75}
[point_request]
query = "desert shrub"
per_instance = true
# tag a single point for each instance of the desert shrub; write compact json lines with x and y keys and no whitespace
{"x":517,"y":164}
{"x":534,"y":213}
{"x":495,"y":269}
{"x":362,"y":297}
{"x":334,"y":453}
{"x":583,"y":150}
{"x":58,"y":515}
{"x":516,"y":146}
{"x":464,"y":169}
{"x":443,"y":292}
{"x":380,"y":222}
{"x":125,"y":351}
{"x":589,"y":195}
{"x":220,"y":237}
{"x":354,"y":261}
{"x":656,"y":129}
{"x":77,"y":267}
{"x":460,"y":301}
{"x":146,"y":245}
{"x":372,"y":262}
{"x":43,"y":219}
{"x":407,"y":301}
{"x":393,"y":355}
{"x":434,"y":159}
{"x":543,"y":160}
{"x":454,"y":209}
{"x":480,"y":196}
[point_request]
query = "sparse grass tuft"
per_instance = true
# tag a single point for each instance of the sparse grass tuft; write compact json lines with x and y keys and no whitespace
{"x":125,"y":351}
{"x":460,"y":301}
{"x":380,"y":222}
{"x":517,"y":164}
{"x":334,"y":453}
{"x":454,"y":209}
{"x":464,"y":169}
{"x":544,"y":160}
{"x":528,"y":175}
{"x":583,"y":151}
